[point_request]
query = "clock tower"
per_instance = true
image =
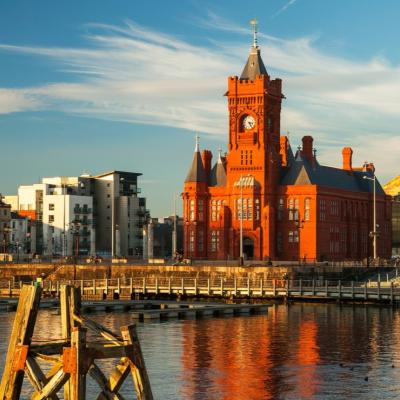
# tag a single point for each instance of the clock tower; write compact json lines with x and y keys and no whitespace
{"x":254,"y":105}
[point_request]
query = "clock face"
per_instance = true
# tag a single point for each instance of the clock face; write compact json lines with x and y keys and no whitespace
{"x":248,"y":122}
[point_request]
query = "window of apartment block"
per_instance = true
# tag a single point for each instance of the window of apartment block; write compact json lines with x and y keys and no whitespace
{"x":291,"y":209}
{"x":296,"y":236}
{"x":214,"y":240}
{"x":290,"y":236}
{"x":307,"y":206}
{"x":51,"y":219}
{"x":214,"y":210}
{"x":51,"y":207}
{"x":200,"y":241}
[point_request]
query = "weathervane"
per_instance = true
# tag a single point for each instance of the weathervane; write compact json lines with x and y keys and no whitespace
{"x":253,"y":22}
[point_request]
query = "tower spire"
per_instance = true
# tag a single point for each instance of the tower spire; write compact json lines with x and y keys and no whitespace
{"x":197,"y":147}
{"x":254,"y":23}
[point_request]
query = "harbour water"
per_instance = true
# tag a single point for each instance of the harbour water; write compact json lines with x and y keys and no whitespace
{"x":297,"y":351}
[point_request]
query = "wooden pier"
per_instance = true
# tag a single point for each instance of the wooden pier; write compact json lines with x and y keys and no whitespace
{"x":162,"y":287}
{"x":72,"y":357}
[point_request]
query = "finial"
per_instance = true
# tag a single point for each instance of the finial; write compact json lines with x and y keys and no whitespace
{"x":253,"y":22}
{"x":220,"y":155}
{"x":197,"y":148}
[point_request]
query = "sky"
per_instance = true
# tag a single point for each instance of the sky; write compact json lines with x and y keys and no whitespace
{"x":106,"y":85}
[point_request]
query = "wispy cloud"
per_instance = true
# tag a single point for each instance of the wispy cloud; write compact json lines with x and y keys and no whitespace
{"x":284,"y":8}
{"x":131,"y":73}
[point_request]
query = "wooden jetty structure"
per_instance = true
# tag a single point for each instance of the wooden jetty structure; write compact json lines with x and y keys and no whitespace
{"x":220,"y":287}
{"x":73,"y":357}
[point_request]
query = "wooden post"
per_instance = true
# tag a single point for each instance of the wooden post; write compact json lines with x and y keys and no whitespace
{"x":119,"y":286}
{"x":156,"y":285}
{"x":82,"y":288}
{"x":222,"y":287}
{"x":391,"y":292}
{"x":169,"y":286}
{"x":208,"y":286}
{"x":313,"y":287}
{"x":106,"y":288}
{"x":261,"y":287}
{"x":78,"y":378}
{"x":301,"y":287}
{"x":138,"y":367}
{"x":94,"y":287}
{"x":340,"y":289}
{"x":365,"y":291}
{"x":144,"y":285}
{"x":326,"y":288}
{"x":58,"y":288}
{"x":195,"y":286}
{"x":379,"y":290}
{"x":248,"y":287}
{"x":182,"y":286}
{"x":352,"y":289}
{"x":9,"y":289}
{"x":274,"y":287}
{"x":131,"y":286}
{"x":235,"y":286}
{"x":20,"y":340}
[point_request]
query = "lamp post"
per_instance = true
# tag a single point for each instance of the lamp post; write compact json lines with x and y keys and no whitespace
{"x":373,"y":233}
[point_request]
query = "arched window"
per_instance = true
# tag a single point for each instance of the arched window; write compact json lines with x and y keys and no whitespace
{"x":291,"y":209}
{"x":191,"y":210}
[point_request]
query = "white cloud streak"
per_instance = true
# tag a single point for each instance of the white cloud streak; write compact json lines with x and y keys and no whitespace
{"x":130,"y":73}
{"x":284,"y":8}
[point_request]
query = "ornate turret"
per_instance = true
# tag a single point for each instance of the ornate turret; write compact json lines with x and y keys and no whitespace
{"x":196,"y":172}
{"x":255,"y":65}
{"x":218,"y":173}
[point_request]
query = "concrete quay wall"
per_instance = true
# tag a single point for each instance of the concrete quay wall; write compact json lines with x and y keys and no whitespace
{"x":82,"y":271}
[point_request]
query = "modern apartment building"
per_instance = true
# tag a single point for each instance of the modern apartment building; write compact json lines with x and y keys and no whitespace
{"x":85,"y":215}
{"x":5,"y":217}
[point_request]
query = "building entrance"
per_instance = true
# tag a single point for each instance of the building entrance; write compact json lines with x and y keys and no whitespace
{"x":248,"y":248}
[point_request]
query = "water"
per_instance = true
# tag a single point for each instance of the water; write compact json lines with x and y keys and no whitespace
{"x":301,"y":351}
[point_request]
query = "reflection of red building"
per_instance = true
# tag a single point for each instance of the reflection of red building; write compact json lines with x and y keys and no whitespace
{"x":291,"y":206}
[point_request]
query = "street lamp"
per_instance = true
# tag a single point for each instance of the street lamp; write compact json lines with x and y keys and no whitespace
{"x":373,"y":233}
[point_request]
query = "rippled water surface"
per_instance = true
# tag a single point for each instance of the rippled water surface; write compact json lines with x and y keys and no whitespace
{"x":301,"y":351}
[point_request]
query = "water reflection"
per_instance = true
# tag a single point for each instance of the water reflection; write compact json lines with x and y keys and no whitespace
{"x":301,"y":351}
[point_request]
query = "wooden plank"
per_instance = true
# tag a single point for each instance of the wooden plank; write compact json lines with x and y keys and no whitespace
{"x":138,"y":367}
{"x":37,"y":377}
{"x":78,"y":378}
{"x":52,"y":387}
{"x":21,"y":334}
{"x":106,"y":392}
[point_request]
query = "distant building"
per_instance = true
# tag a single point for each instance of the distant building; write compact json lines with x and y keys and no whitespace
{"x":274,"y":203}
{"x":5,"y":218}
{"x":19,"y":234}
{"x":85,"y":215}
{"x":392,"y":188}
{"x":396,"y":225}
{"x":160,"y":235}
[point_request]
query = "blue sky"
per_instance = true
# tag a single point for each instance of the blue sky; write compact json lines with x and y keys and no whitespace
{"x":100,"y":85}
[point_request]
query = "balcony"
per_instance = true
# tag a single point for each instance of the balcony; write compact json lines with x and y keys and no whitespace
{"x":82,"y":210}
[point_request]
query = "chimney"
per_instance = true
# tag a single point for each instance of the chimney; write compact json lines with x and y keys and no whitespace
{"x":347,"y":154}
{"x":206,"y":157}
{"x":307,"y":150}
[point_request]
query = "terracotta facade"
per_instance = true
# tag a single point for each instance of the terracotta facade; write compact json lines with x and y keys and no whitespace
{"x":290,"y":206}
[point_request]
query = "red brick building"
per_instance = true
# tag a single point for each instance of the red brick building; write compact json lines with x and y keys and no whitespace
{"x":290,"y":206}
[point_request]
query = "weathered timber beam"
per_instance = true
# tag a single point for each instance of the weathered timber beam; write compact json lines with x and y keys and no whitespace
{"x":138,"y":367}
{"x":98,"y":351}
{"x":53,"y":386}
{"x":99,"y":377}
{"x":21,"y":335}
{"x":37,"y":377}
{"x":48,"y":349}
{"x":94,"y":326}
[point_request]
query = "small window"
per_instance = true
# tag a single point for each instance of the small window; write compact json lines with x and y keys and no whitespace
{"x":51,"y":207}
{"x":51,"y":219}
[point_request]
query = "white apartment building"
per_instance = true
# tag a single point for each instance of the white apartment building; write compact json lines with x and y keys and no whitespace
{"x":19,"y":234}
{"x":85,"y":215}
